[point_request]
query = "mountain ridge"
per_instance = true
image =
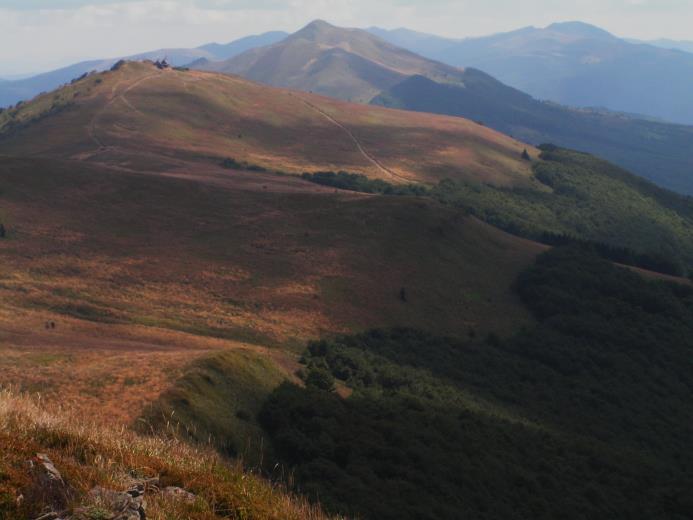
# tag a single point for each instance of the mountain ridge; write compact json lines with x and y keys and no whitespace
{"x":349,"y":64}
{"x":577,"y":64}
{"x":138,"y":109}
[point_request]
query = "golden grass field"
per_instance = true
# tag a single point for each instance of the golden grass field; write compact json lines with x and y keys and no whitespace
{"x":146,"y":119}
{"x":90,"y":455}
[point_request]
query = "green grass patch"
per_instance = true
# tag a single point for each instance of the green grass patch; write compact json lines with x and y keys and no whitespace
{"x":217,"y":400}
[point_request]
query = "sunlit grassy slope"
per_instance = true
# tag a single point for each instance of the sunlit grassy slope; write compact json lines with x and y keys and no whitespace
{"x":89,"y":456}
{"x":144,"y":118}
{"x":236,"y":260}
{"x":144,"y":275}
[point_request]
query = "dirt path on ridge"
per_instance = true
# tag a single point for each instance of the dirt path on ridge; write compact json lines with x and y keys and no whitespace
{"x":358,"y":144}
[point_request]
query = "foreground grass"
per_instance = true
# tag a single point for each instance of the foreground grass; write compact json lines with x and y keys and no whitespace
{"x":89,"y":456}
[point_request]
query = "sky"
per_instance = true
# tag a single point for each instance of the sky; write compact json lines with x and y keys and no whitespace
{"x":39,"y":35}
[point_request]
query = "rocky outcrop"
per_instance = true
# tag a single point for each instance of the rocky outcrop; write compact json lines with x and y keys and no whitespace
{"x":113,"y":505}
{"x":49,"y":488}
{"x":47,"y":485}
{"x":179,"y":493}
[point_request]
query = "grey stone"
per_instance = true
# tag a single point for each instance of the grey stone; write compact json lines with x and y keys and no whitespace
{"x":179,"y":493}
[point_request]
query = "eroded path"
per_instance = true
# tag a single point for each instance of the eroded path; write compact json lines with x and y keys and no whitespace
{"x":373,"y":160}
{"x":93,"y":124}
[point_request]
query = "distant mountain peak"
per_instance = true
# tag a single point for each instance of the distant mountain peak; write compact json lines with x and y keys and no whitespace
{"x":320,"y":24}
{"x":576,"y":28}
{"x":315,"y":28}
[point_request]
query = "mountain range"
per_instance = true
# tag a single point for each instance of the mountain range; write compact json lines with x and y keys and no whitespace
{"x":574,"y":64}
{"x":665,"y":43}
{"x":352,"y":64}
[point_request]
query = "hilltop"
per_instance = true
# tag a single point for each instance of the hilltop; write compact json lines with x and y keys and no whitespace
{"x":139,"y":115}
{"x":22,"y":90}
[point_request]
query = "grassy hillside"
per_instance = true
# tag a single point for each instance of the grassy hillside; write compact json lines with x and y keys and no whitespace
{"x":654,"y":150}
{"x":582,"y":416}
{"x":120,"y":290}
{"x":587,"y":198}
{"x":139,"y":117}
{"x":253,"y":257}
{"x":89,"y":456}
{"x":217,"y":401}
{"x":582,"y":199}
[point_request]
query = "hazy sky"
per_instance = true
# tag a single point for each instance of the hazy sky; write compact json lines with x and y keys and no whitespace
{"x":40,"y":34}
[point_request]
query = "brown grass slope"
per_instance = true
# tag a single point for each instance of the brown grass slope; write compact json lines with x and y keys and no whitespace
{"x":349,"y":64}
{"x":125,"y":232}
{"x":89,"y":456}
{"x":255,"y":257}
{"x":139,"y":117}
{"x":144,"y":275}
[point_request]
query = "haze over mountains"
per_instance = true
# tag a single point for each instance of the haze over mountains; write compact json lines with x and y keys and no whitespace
{"x":666,"y":43}
{"x":575,"y":64}
{"x":13,"y":91}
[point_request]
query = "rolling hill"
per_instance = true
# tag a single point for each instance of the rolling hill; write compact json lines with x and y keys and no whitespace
{"x":654,"y":150}
{"x":577,"y":64}
{"x":139,"y":115}
{"x":190,"y":124}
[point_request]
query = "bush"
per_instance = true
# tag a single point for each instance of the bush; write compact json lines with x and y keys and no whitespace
{"x":320,"y":379}
{"x":363,"y":184}
{"x":233,"y":164}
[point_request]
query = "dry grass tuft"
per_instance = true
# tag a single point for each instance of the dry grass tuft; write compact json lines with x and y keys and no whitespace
{"x":89,"y":456}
